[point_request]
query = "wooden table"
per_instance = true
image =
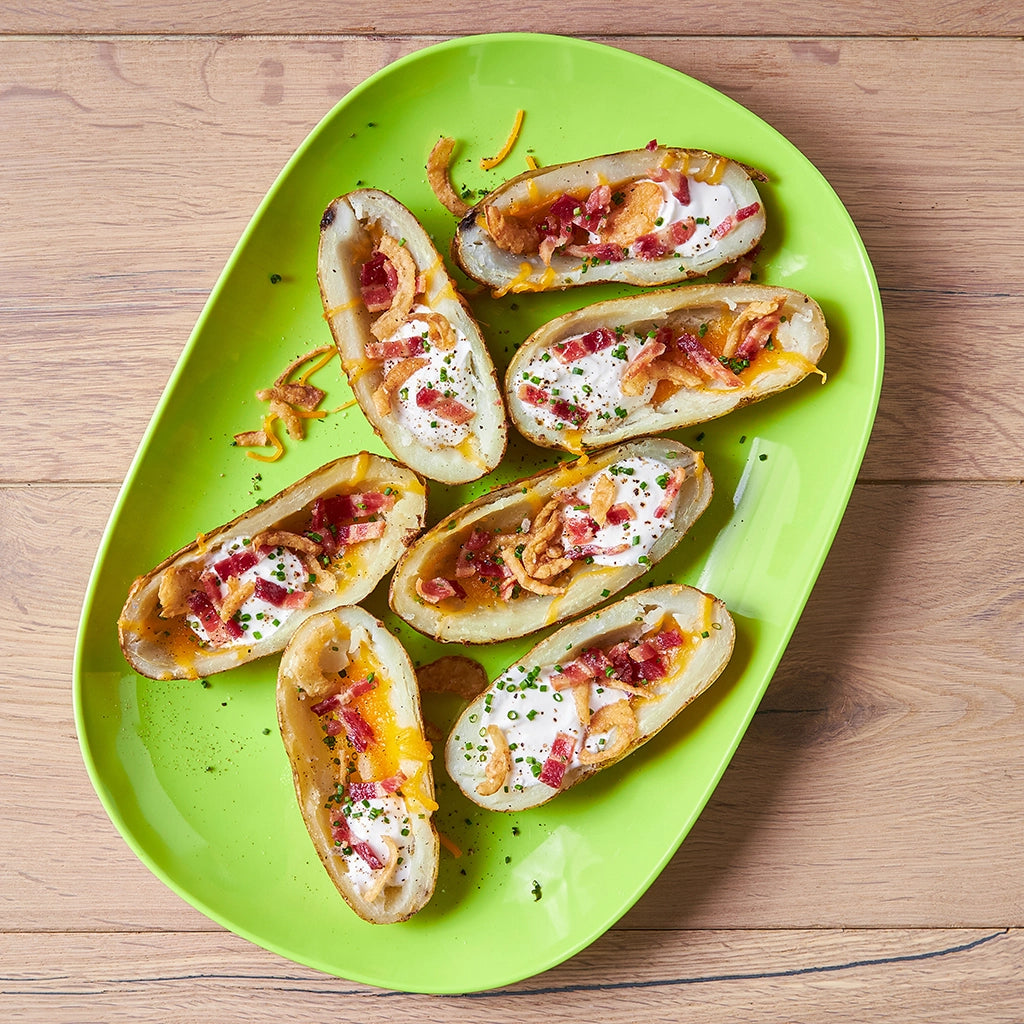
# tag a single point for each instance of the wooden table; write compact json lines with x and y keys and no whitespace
{"x":862,"y":859}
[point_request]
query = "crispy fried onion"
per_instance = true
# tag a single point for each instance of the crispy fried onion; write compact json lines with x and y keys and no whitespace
{"x":453,"y":674}
{"x":442,"y":334}
{"x":498,"y":765}
{"x":286,"y":539}
{"x":617,"y":718}
{"x":396,"y":377}
{"x":405,"y":290}
{"x":511,"y":234}
{"x":438,"y":174}
{"x":238,"y":593}
{"x":602,"y":498}
{"x":753,"y":313}
{"x":176,"y":583}
{"x":292,"y":402}
{"x":652,"y":364}
{"x":386,"y":873}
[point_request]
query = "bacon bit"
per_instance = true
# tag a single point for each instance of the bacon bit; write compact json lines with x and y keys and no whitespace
{"x":578,"y":529}
{"x":576,"y":673}
{"x":618,"y":717}
{"x":378,"y":280}
{"x":490,"y":162}
{"x":377,"y":789}
{"x":358,"y":730}
{"x":279,"y":597}
{"x":557,"y":761}
{"x":394,"y":348}
{"x":220,"y":633}
{"x":652,"y":145}
{"x":722,"y":229}
{"x":356,"y":533}
{"x":439,"y":589}
{"x":450,"y":409}
{"x":439,"y":176}
{"x":585,"y":345}
{"x":176,"y":583}
{"x":396,"y":377}
{"x":601,"y":499}
{"x":621,"y":513}
{"x":405,"y":289}
{"x":637,"y":374}
{"x":499,"y":764}
{"x":509,"y":233}
{"x":672,"y":487}
{"x":705,"y":362}
{"x":342,"y":836}
{"x":453,"y":673}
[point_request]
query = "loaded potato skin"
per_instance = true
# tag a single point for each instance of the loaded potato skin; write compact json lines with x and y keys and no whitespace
{"x":240,"y":590}
{"x":413,"y":354}
{"x":548,"y":547}
{"x":661,"y":360}
{"x":646,"y":217}
{"x":588,"y":696}
{"x":349,"y":713}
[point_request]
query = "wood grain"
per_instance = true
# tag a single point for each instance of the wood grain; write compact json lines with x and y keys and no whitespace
{"x":597,"y":18}
{"x":718,"y":976}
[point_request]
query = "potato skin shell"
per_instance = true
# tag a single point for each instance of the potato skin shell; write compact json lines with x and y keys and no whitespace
{"x":690,"y":606}
{"x":475,"y":252}
{"x":150,"y":658}
{"x":805,"y":335}
{"x":589,"y":585}
{"x":315,"y":777}
{"x":344,"y":241}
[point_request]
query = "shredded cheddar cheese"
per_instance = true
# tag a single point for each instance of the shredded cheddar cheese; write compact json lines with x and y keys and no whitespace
{"x":489,"y":162}
{"x":268,"y":427}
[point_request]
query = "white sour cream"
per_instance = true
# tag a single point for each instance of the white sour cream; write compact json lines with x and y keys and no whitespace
{"x":448,"y":371}
{"x":531,"y":713}
{"x":640,"y":483}
{"x":593,"y":383}
{"x":258,"y":618}
{"x":370,"y":821}
{"x":709,"y":205}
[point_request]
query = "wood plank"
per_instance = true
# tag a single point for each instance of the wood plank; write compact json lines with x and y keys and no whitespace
{"x":880,"y":742}
{"x":603,"y":17}
{"x":718,"y":976}
{"x":100,"y":287}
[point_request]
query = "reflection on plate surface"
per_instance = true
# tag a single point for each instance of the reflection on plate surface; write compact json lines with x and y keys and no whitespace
{"x":195,"y":776}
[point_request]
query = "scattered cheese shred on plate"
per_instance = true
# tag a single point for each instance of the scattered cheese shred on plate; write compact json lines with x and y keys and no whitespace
{"x":492,"y":161}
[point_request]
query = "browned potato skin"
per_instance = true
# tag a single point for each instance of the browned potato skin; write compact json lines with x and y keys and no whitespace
{"x":315,"y":776}
{"x":587,"y":586}
{"x":149,"y":658}
{"x":688,"y":605}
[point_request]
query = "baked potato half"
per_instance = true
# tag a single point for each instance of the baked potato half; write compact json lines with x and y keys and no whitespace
{"x":543,"y":549}
{"x":645,"y":217}
{"x":240,"y":591}
{"x":660,"y":360}
{"x":414,"y":356}
{"x":588,"y":696}
{"x":349,"y":712}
